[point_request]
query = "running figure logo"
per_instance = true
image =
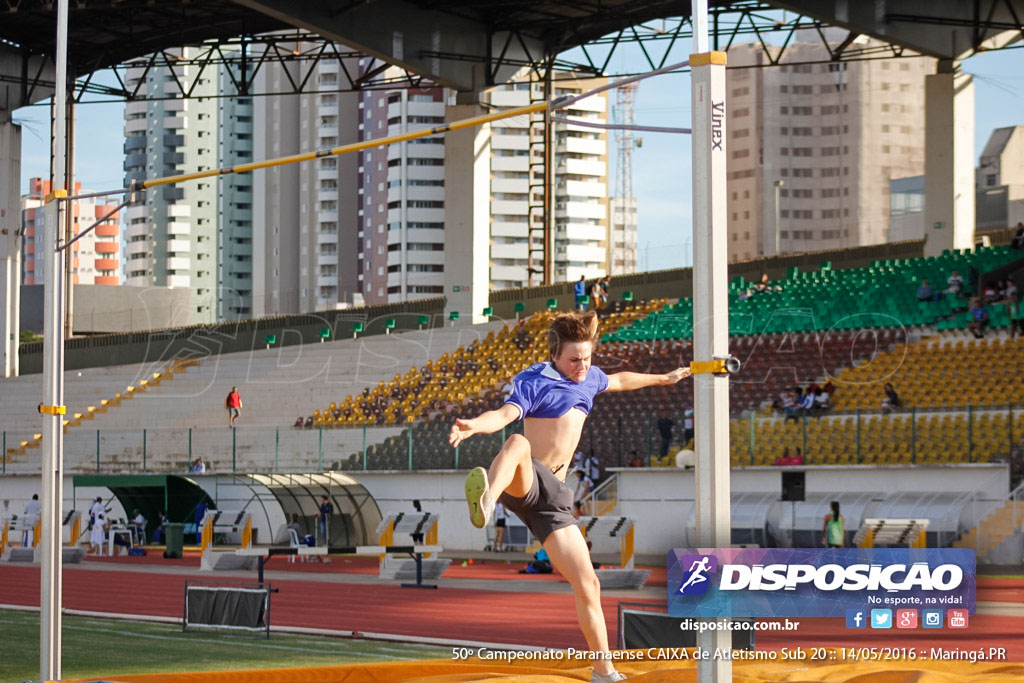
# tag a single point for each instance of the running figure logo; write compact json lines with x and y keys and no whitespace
{"x":697,"y":567}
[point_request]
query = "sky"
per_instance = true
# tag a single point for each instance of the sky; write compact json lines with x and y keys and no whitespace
{"x":661,"y":167}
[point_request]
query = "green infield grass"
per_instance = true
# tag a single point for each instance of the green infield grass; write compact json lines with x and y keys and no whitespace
{"x":94,"y":647}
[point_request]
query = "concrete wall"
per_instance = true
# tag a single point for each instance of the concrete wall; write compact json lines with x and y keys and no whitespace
{"x":101,"y":308}
{"x":205,"y":340}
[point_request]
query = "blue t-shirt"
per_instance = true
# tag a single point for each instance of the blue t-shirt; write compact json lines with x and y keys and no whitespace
{"x":542,"y":391}
{"x":580,"y":288}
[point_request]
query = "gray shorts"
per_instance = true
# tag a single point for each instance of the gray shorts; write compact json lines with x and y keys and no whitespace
{"x":546,"y":507}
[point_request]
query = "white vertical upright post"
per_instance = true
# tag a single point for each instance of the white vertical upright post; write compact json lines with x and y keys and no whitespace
{"x":711,"y":316}
{"x":50,"y":587}
{"x":949,"y":196}
{"x":10,"y":244}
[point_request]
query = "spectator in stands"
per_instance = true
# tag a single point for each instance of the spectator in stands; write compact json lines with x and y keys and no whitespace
{"x":925,"y":292}
{"x":584,"y":485}
{"x":807,"y":402}
{"x":32,"y":510}
{"x":989,"y":293}
{"x":764,"y":285}
{"x":1011,"y":289}
{"x":798,"y":458}
{"x":233,"y":403}
{"x":822,"y":401}
{"x":606,"y":288}
{"x":580,"y":289}
{"x":891,"y":401}
{"x":299,"y":421}
{"x":577,"y":461}
{"x":1018,"y":237}
{"x":324,"y":519}
{"x":955,"y":284}
{"x":160,"y":531}
{"x":783,"y":459}
{"x":664,"y":424}
{"x":592,"y":466}
{"x":1016,"y":317}
{"x":833,"y":531}
{"x":636,"y":460}
{"x":500,"y":517}
{"x":198,"y":467}
{"x":789,"y":404}
{"x":978,"y":318}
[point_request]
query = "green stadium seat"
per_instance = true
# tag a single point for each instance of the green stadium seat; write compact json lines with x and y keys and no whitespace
{"x":552,"y":304}
{"x":488,"y":311}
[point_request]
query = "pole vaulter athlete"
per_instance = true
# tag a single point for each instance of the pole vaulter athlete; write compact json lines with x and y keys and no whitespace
{"x":528,"y":474}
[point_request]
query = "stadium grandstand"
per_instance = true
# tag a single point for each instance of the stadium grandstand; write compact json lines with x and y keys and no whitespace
{"x":843,"y":331}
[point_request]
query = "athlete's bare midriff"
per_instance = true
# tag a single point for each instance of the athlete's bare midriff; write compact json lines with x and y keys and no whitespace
{"x":553,"y":440}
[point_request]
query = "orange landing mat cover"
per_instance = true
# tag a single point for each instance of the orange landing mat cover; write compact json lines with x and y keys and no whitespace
{"x":644,"y":671}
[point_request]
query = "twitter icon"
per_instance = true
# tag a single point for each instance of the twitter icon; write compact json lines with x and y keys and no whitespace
{"x":881,"y":618}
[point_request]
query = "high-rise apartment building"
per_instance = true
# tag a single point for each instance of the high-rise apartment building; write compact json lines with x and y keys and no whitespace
{"x":581,"y":222}
{"x":370,"y":227}
{"x":812,"y":147}
{"x":306,"y":233}
{"x":623,"y":232}
{"x":198,"y":234}
{"x":95,"y":258}
{"x":401,"y":211}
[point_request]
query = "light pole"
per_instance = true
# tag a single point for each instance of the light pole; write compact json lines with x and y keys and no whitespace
{"x":778,"y":192}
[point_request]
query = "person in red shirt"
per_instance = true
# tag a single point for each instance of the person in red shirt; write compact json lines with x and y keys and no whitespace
{"x":234,"y":405}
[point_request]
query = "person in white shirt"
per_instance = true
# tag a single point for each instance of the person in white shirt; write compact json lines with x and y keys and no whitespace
{"x":955,"y":284}
{"x":499,"y":527}
{"x":32,"y":511}
{"x":98,"y":535}
{"x":139,"y":524}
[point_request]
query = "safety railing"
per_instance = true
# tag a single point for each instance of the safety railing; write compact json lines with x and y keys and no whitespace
{"x":916,"y":436}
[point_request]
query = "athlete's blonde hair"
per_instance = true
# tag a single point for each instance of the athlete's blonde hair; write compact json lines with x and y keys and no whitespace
{"x":572,"y":327}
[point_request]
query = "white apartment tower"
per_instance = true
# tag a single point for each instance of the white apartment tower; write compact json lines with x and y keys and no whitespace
{"x":812,"y":147}
{"x":197,"y":234}
{"x":305,"y":234}
{"x":401,"y":211}
{"x":581,"y":186}
{"x":370,"y":227}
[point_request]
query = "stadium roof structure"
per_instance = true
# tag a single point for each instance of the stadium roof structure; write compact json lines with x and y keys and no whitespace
{"x":465,"y":44}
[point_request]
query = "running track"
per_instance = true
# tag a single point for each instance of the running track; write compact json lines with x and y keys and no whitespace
{"x":495,"y":616}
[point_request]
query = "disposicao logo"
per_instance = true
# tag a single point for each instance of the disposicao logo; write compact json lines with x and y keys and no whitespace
{"x":696,"y":580}
{"x":784,"y":582}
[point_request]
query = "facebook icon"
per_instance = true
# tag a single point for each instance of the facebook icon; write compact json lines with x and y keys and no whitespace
{"x":855,"y":618}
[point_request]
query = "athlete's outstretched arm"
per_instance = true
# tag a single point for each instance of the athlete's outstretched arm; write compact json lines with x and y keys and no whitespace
{"x":630,"y":381}
{"x":486,"y":423}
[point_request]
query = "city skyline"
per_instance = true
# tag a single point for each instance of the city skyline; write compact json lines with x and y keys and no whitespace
{"x":661,"y":168}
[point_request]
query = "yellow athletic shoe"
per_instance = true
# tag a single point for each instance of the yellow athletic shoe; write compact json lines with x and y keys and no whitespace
{"x":481,"y":506}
